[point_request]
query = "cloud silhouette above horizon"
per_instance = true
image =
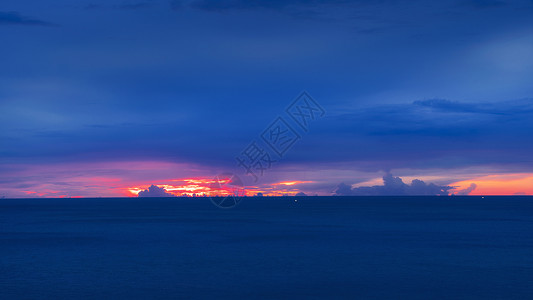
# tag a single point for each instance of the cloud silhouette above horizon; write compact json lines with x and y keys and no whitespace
{"x":466,"y":191}
{"x":15,"y":18}
{"x":155,"y":191}
{"x":394,"y":186}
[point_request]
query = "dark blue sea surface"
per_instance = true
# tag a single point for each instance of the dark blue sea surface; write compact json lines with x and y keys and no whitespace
{"x":272,"y":248}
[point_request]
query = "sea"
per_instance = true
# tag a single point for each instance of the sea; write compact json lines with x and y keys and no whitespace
{"x":461,"y":247}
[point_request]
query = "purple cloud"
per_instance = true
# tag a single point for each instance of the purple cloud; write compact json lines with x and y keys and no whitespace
{"x":468,"y":190}
{"x":394,"y":186}
{"x":155,"y":191}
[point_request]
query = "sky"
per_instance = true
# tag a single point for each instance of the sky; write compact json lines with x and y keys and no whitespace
{"x":107,"y":98}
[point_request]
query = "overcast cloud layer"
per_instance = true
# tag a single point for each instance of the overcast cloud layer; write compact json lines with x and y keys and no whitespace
{"x":413,"y":85}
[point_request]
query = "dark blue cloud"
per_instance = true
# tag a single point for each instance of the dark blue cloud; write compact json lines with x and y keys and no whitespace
{"x":382,"y":13}
{"x":485,"y":3}
{"x":389,"y":137}
{"x":137,"y":5}
{"x":382,"y":137}
{"x":123,"y":6}
{"x":195,"y":86}
{"x":15,"y":18}
{"x":224,"y":5}
{"x":524,"y":106}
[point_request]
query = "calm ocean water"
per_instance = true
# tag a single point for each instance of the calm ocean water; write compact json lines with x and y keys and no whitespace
{"x":274,"y":248}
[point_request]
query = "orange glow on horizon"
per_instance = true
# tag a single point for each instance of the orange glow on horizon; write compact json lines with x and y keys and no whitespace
{"x":494,"y":184}
{"x":221,"y":187}
{"x":501,"y":184}
{"x":193,"y":187}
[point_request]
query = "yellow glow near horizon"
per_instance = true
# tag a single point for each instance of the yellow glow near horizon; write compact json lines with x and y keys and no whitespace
{"x":291,"y":182}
